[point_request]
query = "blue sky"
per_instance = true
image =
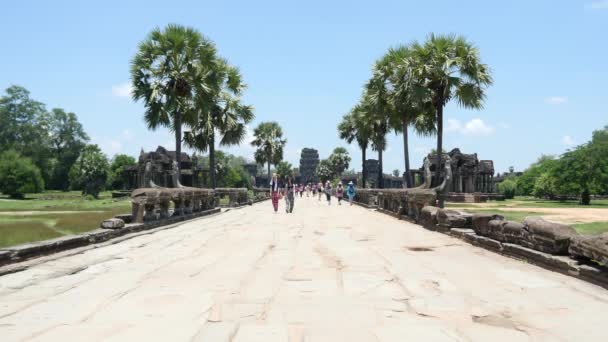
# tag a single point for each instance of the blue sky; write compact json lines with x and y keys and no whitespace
{"x":305,"y":63}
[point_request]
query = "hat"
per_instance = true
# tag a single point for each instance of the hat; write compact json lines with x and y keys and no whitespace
{"x":350,"y":183}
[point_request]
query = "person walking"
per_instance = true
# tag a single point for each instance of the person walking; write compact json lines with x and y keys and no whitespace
{"x":314,"y":190}
{"x":339,"y":192}
{"x":301,"y":189}
{"x":328,"y":192}
{"x":320,"y":190}
{"x":290,"y":197}
{"x":350,"y":192}
{"x":275,"y":190}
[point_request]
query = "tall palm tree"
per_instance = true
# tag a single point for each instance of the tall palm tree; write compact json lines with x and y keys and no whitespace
{"x":219,"y":113}
{"x":450,"y":68}
{"x":355,"y":127}
{"x":165,"y":74}
{"x":409,"y":104}
{"x":269,"y":142}
{"x":379,"y":112}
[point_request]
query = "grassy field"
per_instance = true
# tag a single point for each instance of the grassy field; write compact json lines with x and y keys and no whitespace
{"x":521,"y":204}
{"x":54,"y":214}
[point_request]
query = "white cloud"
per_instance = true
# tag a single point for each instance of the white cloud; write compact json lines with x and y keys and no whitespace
{"x":474,"y":127}
{"x":122,"y":90}
{"x":556,"y":100}
{"x":598,"y":5}
{"x":568,"y":141}
{"x":504,"y":125}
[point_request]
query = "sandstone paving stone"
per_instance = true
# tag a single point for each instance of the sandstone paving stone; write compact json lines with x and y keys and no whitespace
{"x":250,"y":275}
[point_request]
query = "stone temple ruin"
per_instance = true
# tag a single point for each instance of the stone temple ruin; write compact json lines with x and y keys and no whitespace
{"x":309,"y":160}
{"x":158,"y":166}
{"x":472,"y":179}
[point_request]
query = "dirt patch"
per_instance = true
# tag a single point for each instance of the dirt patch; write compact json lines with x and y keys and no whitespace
{"x":420,"y":249}
{"x":562,"y":215}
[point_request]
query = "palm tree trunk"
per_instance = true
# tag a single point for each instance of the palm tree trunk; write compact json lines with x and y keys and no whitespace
{"x":380,"y":184}
{"x":438,"y":169}
{"x":212,"y":160}
{"x":406,"y":154}
{"x":178,"y":144}
{"x":269,"y":175}
{"x":364,"y":172}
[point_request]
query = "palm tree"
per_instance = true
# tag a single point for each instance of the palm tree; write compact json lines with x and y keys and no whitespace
{"x":165,"y":74}
{"x":270,"y":144}
{"x":354,"y":127}
{"x":449,"y":67}
{"x":379,"y":112}
{"x":219,"y":112}
{"x":408,"y":102}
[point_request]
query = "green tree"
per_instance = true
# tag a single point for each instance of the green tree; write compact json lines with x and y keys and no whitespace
{"x":449,"y":68}
{"x":408,"y":104}
{"x":396,"y":173}
{"x":355,"y":127}
{"x":23,"y":127}
{"x":117,"y":166}
{"x":67,"y":138}
{"x":170,"y":72}
{"x":284,"y":170}
{"x":584,"y":170}
{"x":507,"y":188}
{"x":226,"y":118}
{"x":90,"y":171}
{"x":544,"y":186}
{"x":324,"y":170}
{"x":339,"y":161}
{"x":379,"y":113}
{"x":527,"y":181}
{"x":18,"y":175}
{"x":268,"y":139}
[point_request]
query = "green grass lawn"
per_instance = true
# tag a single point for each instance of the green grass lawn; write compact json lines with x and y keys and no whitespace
{"x":44,"y":223}
{"x":530,"y":202}
{"x":592,"y":228}
{"x":518,"y":216}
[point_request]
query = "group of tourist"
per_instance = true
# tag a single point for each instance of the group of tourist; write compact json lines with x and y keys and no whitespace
{"x":290,"y":191}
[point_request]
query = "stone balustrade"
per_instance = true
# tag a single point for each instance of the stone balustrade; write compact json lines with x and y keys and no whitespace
{"x":236,"y":196}
{"x":149,"y":204}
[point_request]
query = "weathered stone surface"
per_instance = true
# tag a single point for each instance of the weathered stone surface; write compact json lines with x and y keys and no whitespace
{"x":428,"y":217}
{"x":127,"y":218}
{"x":547,"y":236}
{"x":554,"y":261}
{"x":480,"y":222}
{"x":504,"y":231}
{"x":460,"y":232}
{"x":594,"y":247}
{"x":483,"y":241}
{"x":113,"y":223}
{"x":34,"y":249}
{"x":448,"y":218}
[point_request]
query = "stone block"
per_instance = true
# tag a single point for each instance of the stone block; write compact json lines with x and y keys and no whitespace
{"x":480,"y":222}
{"x":594,"y":247}
{"x":461,"y":232}
{"x":127,"y":218}
{"x":447,"y":218}
{"x":113,"y":223}
{"x":428,"y":217}
{"x":547,"y":236}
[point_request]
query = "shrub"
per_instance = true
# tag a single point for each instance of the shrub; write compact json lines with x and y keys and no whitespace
{"x":90,"y":171}
{"x":18,"y":175}
{"x":507,"y":188}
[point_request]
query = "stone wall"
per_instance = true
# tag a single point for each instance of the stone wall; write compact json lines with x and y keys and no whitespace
{"x":551,"y":245}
